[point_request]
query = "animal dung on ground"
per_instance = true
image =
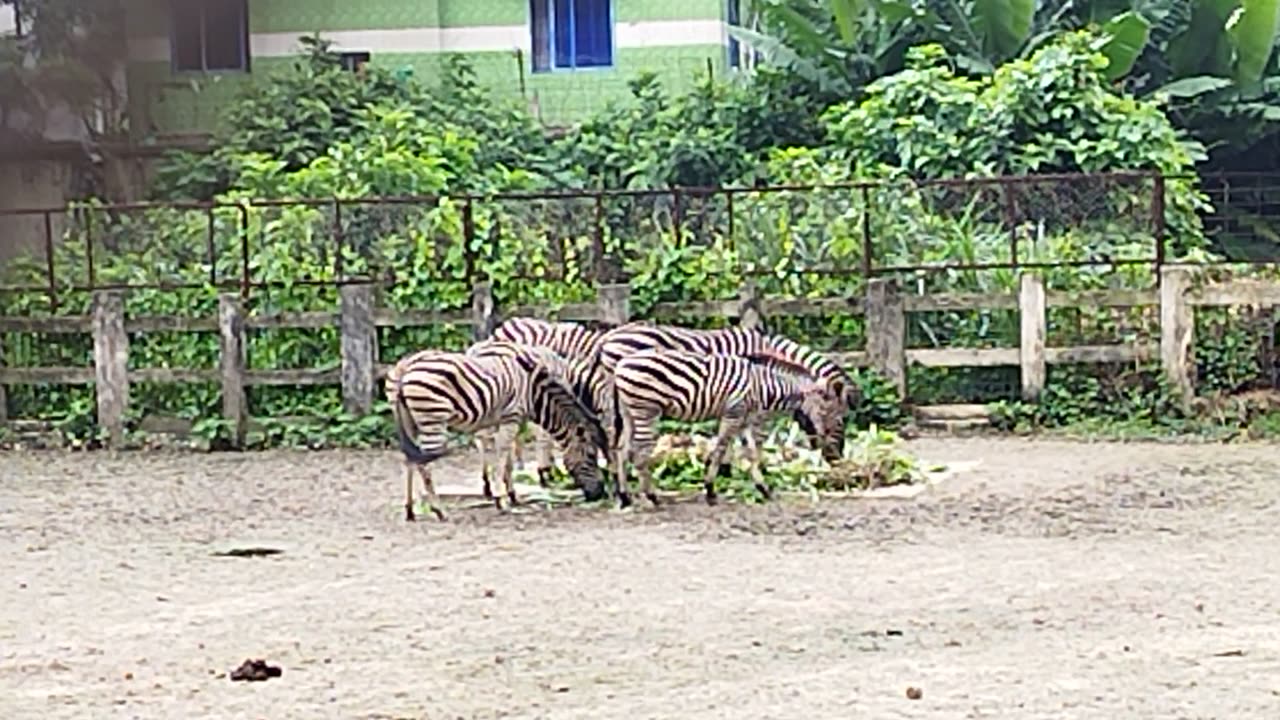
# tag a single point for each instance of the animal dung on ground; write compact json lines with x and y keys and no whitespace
{"x":914,"y":693}
{"x":255,"y":671}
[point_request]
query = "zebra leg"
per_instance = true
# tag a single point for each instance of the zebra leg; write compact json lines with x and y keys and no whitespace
{"x":754,"y":435}
{"x":730,"y":426}
{"x":433,"y":501}
{"x":408,"y":492}
{"x":546,"y":456}
{"x":644,"y":439}
{"x":506,"y":436}
{"x":484,"y":440}
{"x":625,"y":453}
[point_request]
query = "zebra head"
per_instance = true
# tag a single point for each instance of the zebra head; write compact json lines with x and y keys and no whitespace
{"x":821,"y":415}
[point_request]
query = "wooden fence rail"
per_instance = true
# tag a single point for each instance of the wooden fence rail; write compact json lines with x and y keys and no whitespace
{"x":884,"y":306}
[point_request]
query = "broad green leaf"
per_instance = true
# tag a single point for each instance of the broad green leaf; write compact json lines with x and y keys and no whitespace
{"x":1127,"y":37}
{"x":1193,"y":86}
{"x":799,"y":30}
{"x":1006,"y":24}
{"x":1254,"y":33}
{"x":779,"y":53}
{"x":1204,"y":48}
{"x":893,"y":11}
{"x":847,"y":13}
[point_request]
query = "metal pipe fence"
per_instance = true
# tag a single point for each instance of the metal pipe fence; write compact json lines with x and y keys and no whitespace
{"x":853,"y":229}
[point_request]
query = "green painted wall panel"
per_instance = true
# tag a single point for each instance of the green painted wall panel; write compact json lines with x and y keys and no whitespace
{"x":311,"y":15}
{"x":638,"y":10}
{"x":566,"y":97}
{"x":163,"y":104}
{"x":151,"y":17}
{"x":465,"y":13}
{"x":166,"y":103}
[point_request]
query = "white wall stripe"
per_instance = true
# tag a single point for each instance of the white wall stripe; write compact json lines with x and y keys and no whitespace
{"x":669,"y":33}
{"x":490,"y":38}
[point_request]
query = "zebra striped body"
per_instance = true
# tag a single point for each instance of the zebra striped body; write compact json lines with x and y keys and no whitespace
{"x":570,"y":339}
{"x":433,"y":391}
{"x":579,"y":343}
{"x":634,"y":337}
{"x":739,"y":390}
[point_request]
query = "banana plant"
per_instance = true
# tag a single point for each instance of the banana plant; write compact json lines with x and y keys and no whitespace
{"x":836,"y":44}
{"x":841,"y":44}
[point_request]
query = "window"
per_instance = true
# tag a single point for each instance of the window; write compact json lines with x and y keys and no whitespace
{"x":739,"y":55}
{"x":11,"y":19}
{"x":571,"y":34}
{"x":734,"y":19}
{"x":210,"y":35}
{"x":353,"y":60}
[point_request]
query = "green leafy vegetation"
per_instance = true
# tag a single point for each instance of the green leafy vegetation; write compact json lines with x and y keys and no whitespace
{"x":918,"y":112}
{"x":873,"y":458}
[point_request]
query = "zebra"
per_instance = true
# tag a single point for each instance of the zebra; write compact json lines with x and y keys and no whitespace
{"x":636,"y":336}
{"x":738,"y":389}
{"x":579,"y":343}
{"x":592,"y":390}
{"x":431,"y":391}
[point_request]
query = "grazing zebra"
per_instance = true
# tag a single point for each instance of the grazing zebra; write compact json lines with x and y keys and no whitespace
{"x":633,"y":337}
{"x":591,"y":389}
{"x":432,"y":391}
{"x":739,"y":390}
{"x":625,"y":339}
{"x":575,"y":342}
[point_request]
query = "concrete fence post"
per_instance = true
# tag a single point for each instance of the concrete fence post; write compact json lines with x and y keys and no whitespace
{"x":1031,"y":353}
{"x":110,"y":363}
{"x":886,"y":332}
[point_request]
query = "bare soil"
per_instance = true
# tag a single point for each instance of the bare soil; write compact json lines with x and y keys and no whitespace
{"x":1051,"y":580}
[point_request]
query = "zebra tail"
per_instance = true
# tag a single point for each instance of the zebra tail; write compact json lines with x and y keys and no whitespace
{"x":407,"y":430}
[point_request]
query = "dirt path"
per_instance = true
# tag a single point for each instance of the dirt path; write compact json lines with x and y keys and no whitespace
{"x":1053,"y":580}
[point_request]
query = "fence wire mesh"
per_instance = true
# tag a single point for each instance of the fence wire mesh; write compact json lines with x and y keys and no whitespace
{"x":1079,"y":232}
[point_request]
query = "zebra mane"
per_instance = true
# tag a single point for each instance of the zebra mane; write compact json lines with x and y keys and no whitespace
{"x":823,"y":368}
{"x":773,"y":359}
{"x":600,"y":326}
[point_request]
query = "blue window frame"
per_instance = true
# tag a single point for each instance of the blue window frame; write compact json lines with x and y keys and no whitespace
{"x":570,"y":34}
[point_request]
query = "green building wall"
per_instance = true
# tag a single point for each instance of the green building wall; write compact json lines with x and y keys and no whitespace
{"x":678,"y":39}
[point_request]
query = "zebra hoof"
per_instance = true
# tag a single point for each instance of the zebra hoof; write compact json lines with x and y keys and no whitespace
{"x":652,"y":498}
{"x":624,"y":500}
{"x":512,"y":500}
{"x":438,"y":513}
{"x":712,"y":499}
{"x":408,"y":513}
{"x":764,"y":491}
{"x":544,"y":476}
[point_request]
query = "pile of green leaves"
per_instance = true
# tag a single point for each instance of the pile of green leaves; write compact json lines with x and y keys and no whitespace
{"x":872,"y":458}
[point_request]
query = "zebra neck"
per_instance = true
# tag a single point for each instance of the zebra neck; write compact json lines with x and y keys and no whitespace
{"x":781,"y":393}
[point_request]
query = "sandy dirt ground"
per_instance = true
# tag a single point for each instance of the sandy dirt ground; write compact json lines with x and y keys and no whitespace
{"x":1049,"y":580}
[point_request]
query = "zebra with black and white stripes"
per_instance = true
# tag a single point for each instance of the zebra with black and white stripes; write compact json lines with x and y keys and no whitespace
{"x":433,"y":391}
{"x":741,"y":391}
{"x":634,"y":337}
{"x":579,"y":343}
